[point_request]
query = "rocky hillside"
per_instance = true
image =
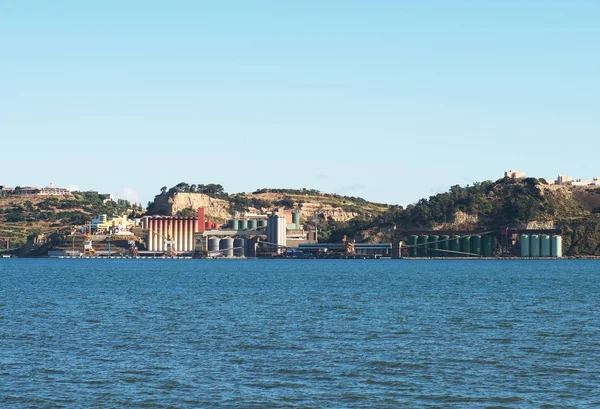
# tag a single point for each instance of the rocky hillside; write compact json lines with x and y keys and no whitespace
{"x":315,"y":207}
{"x":527,"y":204}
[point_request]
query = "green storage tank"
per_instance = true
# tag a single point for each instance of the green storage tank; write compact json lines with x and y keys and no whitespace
{"x":465,"y":245}
{"x":455,"y":245}
{"x":476,"y":244}
{"x":556,"y":247}
{"x":525,"y":252}
{"x":545,"y":245}
{"x":444,"y":244}
{"x":534,"y":245}
{"x":433,"y":245}
{"x":488,"y":245}
{"x":413,"y":241}
{"x":422,"y":252}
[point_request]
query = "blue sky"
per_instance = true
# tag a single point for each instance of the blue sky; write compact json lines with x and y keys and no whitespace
{"x":388,"y":100}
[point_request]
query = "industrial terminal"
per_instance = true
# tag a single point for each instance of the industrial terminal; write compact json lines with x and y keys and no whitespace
{"x":281,"y":234}
{"x":250,"y":235}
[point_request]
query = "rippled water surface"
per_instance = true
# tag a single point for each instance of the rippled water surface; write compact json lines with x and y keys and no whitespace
{"x":299,"y":333}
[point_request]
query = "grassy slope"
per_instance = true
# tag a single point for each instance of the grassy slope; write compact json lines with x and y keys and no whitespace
{"x":21,"y":216}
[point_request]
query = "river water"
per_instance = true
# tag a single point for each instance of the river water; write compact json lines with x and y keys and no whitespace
{"x":299,"y":333}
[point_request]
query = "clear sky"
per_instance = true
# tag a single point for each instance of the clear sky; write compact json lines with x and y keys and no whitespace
{"x":388,"y":100}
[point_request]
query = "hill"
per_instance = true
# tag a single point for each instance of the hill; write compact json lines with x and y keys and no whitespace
{"x":514,"y":203}
{"x":316,"y":208}
{"x":23,"y":215}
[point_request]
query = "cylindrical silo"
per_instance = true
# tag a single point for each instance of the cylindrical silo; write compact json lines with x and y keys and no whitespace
{"x":444,"y":244}
{"x":476,"y":244}
{"x":556,"y":247}
{"x":488,"y":245}
{"x":545,"y":245}
{"x":150,"y":242}
{"x":262,"y":223}
{"x":465,"y":245}
{"x":243,"y":224}
{"x":433,"y":245}
{"x":239,"y":246}
{"x":455,"y":246}
{"x":412,"y":241}
{"x":160,"y":235}
{"x":179,"y":237}
{"x":422,"y":249}
{"x":176,"y":233}
{"x":213,"y":243}
{"x":234,"y":224}
{"x":296,"y":219}
{"x":252,"y":224}
{"x":525,"y":247}
{"x":226,"y":245}
{"x":534,"y":245}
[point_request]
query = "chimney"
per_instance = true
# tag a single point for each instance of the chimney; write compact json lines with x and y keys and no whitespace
{"x":201,"y":221}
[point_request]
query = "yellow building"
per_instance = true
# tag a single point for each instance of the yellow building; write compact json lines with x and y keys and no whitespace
{"x":113,"y":225}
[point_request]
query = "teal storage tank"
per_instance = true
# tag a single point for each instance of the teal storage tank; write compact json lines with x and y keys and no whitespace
{"x":234,"y":224}
{"x":412,"y":241}
{"x":433,"y":245}
{"x":252,"y":224}
{"x":525,"y":251}
{"x":262,"y":223}
{"x":488,"y":245}
{"x":455,"y":246}
{"x":476,"y":244}
{"x":465,"y":245}
{"x":545,"y":245}
{"x":422,"y":252}
{"x":444,"y":244}
{"x":243,"y":224}
{"x":534,"y":245}
{"x":556,"y":246}
{"x":296,"y":219}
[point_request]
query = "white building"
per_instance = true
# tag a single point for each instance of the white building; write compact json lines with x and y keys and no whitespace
{"x":514,"y":174}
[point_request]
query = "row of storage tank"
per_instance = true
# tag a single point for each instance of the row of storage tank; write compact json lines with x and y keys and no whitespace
{"x":246,"y":224}
{"x":450,"y":246}
{"x":229,"y":247}
{"x":541,"y":245}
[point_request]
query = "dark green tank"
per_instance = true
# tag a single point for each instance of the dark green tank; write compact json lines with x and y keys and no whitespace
{"x":412,"y":241}
{"x":433,"y":245}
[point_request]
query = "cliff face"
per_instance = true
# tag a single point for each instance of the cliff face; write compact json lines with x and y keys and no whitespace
{"x":215,"y":209}
{"x":311,"y":207}
{"x":309,"y":210}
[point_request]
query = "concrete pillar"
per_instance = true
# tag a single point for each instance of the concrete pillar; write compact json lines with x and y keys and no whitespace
{"x":180,"y":234}
{"x":154,"y":234}
{"x":169,"y":228}
{"x":176,"y":232}
{"x":150,"y":234}
{"x":185,"y":234}
{"x":191,"y":235}
{"x":160,"y":237}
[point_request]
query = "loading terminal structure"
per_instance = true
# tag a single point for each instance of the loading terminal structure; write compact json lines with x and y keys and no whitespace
{"x":496,"y":243}
{"x":240,"y":237}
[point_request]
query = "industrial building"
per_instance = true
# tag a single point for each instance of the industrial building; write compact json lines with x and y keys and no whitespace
{"x":502,"y":243}
{"x":113,"y":225}
{"x":172,"y":233}
{"x":360,"y":249}
{"x":240,"y":237}
{"x":541,"y":245}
